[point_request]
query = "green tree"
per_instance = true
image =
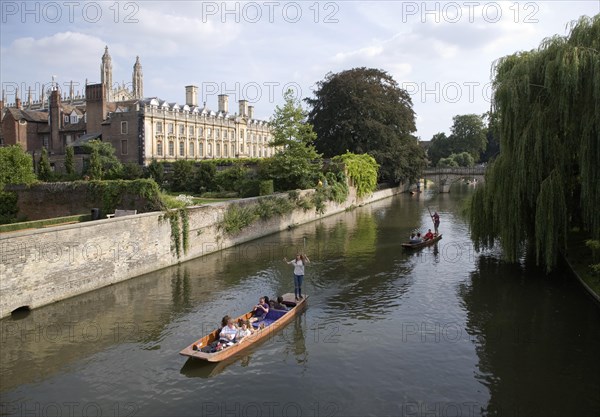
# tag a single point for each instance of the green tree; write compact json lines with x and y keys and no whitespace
{"x":439,"y":148}
{"x":296,"y":164}
{"x":69,"y":161}
{"x":17,"y":166}
{"x":546,"y":175}
{"x":204,"y":177}
{"x":132,"y":171}
{"x":95,"y":170}
{"x":111,"y":166}
{"x":447,"y":163}
{"x":463,"y":159}
{"x":363,"y":110}
{"x":492,"y":137}
{"x":44,"y":168}
{"x":156,"y":171}
{"x":182,"y":179}
{"x":468,"y":135}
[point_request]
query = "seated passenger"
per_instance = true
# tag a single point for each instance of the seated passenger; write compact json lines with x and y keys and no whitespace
{"x":428,"y":235}
{"x":228,"y":333}
{"x":419,"y":238}
{"x":279,"y":304}
{"x":413,"y":238}
{"x":260,"y":310}
{"x":245,"y":330}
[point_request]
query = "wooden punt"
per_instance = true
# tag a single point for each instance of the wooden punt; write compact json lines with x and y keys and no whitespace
{"x":274,"y":321}
{"x":422,"y":244}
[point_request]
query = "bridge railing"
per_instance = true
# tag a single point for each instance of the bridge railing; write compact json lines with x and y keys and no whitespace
{"x":455,"y":171}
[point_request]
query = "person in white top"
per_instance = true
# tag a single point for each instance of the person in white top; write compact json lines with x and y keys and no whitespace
{"x":299,"y":262}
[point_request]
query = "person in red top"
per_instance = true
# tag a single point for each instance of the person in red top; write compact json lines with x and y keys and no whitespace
{"x":428,"y":235}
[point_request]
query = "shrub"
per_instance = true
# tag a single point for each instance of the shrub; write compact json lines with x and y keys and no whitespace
{"x":265,"y":187}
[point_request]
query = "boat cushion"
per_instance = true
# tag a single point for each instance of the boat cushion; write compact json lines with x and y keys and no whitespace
{"x":271,"y":317}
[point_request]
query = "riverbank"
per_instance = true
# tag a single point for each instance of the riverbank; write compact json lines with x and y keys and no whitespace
{"x":43,"y":266}
{"x":578,"y":259}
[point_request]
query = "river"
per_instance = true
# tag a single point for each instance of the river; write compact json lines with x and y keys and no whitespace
{"x":443,"y":331}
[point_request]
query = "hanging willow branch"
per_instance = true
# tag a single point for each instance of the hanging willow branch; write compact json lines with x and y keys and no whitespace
{"x":546,"y":176}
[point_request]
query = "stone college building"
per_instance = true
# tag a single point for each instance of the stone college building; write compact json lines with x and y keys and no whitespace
{"x":139,"y":128}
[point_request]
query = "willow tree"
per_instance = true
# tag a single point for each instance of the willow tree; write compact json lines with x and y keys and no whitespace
{"x":546,"y":176}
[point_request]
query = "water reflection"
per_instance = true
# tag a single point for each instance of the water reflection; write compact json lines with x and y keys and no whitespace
{"x":537,"y":338}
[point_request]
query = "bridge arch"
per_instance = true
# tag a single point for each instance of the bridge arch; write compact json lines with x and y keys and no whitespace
{"x":445,"y":177}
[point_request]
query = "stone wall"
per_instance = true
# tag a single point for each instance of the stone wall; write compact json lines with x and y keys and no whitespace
{"x":42,"y":266}
{"x":60,"y":199}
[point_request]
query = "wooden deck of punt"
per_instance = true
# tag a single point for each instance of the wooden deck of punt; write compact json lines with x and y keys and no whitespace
{"x":422,"y":244}
{"x":259,"y":334}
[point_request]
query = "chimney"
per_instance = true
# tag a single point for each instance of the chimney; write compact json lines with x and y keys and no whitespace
{"x":17,"y":100}
{"x":243,"y":108}
{"x":191,"y":95}
{"x":224,"y":103}
{"x":56,"y":122}
{"x":250,"y":112}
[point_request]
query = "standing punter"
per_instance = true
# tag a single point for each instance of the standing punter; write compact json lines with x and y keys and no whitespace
{"x":298,"y":263}
{"x":436,"y":221}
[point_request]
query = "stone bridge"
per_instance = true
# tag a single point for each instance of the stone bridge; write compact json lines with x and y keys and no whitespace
{"x":445,"y":177}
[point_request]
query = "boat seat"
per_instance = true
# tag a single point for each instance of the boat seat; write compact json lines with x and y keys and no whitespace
{"x":271,"y":317}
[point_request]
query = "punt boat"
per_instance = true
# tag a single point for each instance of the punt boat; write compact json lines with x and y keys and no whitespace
{"x":275,"y":319}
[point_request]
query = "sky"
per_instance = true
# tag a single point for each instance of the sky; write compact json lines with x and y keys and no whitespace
{"x":442,"y":53}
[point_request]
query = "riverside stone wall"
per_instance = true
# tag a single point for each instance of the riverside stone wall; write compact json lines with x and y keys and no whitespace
{"x":42,"y":266}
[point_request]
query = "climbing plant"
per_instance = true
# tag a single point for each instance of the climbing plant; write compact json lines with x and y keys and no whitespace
{"x":362,"y":169}
{"x":546,"y":176}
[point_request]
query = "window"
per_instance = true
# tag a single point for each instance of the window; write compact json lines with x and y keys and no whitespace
{"x":225,"y":150}
{"x":159,"y":149}
{"x":218,"y":150}
{"x":66,"y":118}
{"x":225,"y":134}
{"x":200,"y":149}
{"x":69,"y":139}
{"x":170,"y":127}
{"x":74,"y":118}
{"x":191,"y":148}
{"x":159,"y":127}
{"x":181,"y":148}
{"x":200,"y":131}
{"x":242,"y":134}
{"x":181,"y":129}
{"x":209,"y":150}
{"x":191,"y":130}
{"x":171,"y":148}
{"x":217,"y":133}
{"x":124,"y":147}
{"x":241,"y":148}
{"x":45,"y":142}
{"x":123,"y":128}
{"x":208,"y":133}
{"x":232,"y":150}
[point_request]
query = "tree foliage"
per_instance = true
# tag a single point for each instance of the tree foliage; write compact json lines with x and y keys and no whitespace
{"x":363,"y":110}
{"x":468,"y":135}
{"x":69,"y":160}
{"x":546,"y":176}
{"x":296,"y":164}
{"x":439,"y":148}
{"x":95,"y":171}
{"x":44,"y":169}
{"x":102,"y":154}
{"x":17,"y":166}
{"x":182,"y":179}
{"x":463,"y":159}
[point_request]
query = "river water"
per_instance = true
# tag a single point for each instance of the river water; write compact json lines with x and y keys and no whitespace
{"x":444,"y":331}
